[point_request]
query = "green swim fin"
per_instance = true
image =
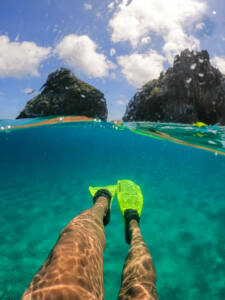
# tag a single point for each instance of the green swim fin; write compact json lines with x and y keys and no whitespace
{"x":129,"y":196}
{"x":110,"y":188}
{"x":130,"y":200}
{"x":107,"y":191}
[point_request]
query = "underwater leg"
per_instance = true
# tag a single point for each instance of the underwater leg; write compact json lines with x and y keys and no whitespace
{"x":74,"y":267}
{"x":139,"y":277}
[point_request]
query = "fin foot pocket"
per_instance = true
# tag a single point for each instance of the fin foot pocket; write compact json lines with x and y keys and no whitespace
{"x":130,"y":214}
{"x":106,"y":191}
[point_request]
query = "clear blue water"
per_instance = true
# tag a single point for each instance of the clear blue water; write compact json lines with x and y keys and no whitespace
{"x":44,"y":179}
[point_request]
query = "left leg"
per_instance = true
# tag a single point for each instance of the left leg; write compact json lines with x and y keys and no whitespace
{"x":74,"y":267}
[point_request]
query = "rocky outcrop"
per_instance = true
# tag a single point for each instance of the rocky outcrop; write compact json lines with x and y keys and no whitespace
{"x":64,"y":94}
{"x":192,"y":90}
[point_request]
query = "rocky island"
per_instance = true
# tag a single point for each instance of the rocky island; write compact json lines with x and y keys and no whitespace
{"x":190,"y":91}
{"x":65,"y":94}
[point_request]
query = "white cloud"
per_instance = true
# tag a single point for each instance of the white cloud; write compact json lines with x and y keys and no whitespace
{"x":145,"y":40}
{"x":112,"y":51}
{"x":214,"y":12}
{"x":28,"y":91}
{"x":133,"y":20}
{"x":87,"y":6}
{"x":176,"y":41}
{"x":111,"y":6}
{"x":120,"y":102}
{"x":20,"y":59}
{"x":200,"y":26}
{"x":219,"y":62}
{"x":81,"y":53}
{"x":139,"y":68}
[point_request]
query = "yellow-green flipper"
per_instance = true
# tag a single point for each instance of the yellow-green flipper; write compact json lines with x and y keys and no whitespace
{"x":106,"y":191}
{"x":129,"y":196}
{"x":110,"y":188}
{"x":130,"y":200}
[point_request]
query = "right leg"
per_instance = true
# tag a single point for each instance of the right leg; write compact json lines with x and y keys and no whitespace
{"x":139,"y":277}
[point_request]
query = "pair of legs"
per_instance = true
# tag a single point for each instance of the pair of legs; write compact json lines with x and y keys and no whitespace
{"x":74,"y":267}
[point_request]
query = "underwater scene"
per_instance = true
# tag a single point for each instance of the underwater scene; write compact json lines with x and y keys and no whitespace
{"x":48,"y":164}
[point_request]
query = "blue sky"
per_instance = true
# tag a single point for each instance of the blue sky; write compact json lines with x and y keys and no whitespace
{"x":115,"y":45}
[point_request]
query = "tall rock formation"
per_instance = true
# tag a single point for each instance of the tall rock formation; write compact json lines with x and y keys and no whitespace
{"x":65,"y":94}
{"x":192,"y":90}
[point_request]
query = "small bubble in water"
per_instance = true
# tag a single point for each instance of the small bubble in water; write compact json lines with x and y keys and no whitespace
{"x":216,"y":153}
{"x":9,"y":126}
{"x":2,"y":128}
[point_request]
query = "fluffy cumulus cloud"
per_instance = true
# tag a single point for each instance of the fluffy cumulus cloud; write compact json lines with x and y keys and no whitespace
{"x":80,"y":52}
{"x":139,"y":68}
{"x":136,"y":19}
{"x":219,"y":62}
{"x":176,"y":41}
{"x":145,"y":40}
{"x":20,"y":59}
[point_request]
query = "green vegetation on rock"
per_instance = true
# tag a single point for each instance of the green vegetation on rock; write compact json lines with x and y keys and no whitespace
{"x":65,"y":94}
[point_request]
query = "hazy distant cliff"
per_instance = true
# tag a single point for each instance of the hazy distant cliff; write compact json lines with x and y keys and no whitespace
{"x":192,"y":90}
{"x":64,"y":94}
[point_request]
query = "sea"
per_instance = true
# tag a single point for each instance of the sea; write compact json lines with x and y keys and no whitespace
{"x":45,"y":172}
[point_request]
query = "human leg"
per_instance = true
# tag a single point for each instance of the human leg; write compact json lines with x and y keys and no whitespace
{"x":74,"y":267}
{"x":139,"y":277}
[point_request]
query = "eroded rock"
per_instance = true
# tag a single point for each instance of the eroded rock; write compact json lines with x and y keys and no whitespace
{"x":190,"y":91}
{"x":65,"y":94}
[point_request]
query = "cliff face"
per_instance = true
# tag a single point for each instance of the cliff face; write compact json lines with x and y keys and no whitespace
{"x":64,"y":94}
{"x":192,"y":90}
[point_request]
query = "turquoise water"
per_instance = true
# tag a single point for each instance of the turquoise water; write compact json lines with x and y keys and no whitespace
{"x":44,"y":179}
